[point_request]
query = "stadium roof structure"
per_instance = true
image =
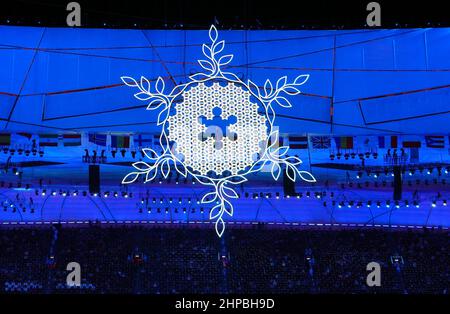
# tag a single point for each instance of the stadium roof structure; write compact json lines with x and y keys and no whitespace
{"x":361,"y":81}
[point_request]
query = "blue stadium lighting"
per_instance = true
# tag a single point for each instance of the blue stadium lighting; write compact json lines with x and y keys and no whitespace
{"x":54,"y":193}
{"x":444,"y":202}
{"x":388,"y":204}
{"x":369,"y":204}
{"x":433,"y":204}
{"x":378,"y":204}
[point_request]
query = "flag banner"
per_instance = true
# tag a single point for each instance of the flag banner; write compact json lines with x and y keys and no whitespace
{"x":410,"y":141}
{"x":49,"y":140}
{"x":72,"y":140}
{"x":143,"y":140}
{"x":99,"y":139}
{"x":435,"y":141}
{"x":410,"y":144}
{"x":388,"y":141}
{"x":298,"y":142}
{"x":345,"y":142}
{"x":120,"y":141}
{"x":320,"y":142}
{"x":365,"y":143}
{"x":414,"y":154}
{"x":5,"y":139}
{"x":21,"y":139}
{"x":25,"y":135}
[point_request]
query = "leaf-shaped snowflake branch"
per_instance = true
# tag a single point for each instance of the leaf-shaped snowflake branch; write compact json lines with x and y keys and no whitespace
{"x":278,"y":156}
{"x":161,"y":163}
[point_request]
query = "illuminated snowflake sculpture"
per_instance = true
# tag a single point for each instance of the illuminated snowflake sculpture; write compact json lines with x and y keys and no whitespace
{"x":194,"y":149}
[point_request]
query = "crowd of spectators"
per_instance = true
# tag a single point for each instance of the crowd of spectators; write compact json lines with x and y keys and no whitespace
{"x":141,"y":260}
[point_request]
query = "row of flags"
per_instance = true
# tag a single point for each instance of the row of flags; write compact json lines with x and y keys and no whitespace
{"x":123,"y":141}
{"x":44,"y":140}
{"x":53,"y":140}
{"x":293,"y":141}
{"x":65,"y":140}
{"x":68,"y":140}
{"x":366,"y":142}
{"x":412,"y":141}
{"x":117,"y":141}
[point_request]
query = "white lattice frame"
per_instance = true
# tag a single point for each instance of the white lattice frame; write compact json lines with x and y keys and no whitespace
{"x":222,"y":191}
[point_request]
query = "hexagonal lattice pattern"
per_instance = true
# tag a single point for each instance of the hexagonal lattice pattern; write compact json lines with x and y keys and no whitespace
{"x":202,"y":156}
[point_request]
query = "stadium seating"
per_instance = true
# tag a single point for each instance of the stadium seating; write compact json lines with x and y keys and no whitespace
{"x":187,"y":260}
